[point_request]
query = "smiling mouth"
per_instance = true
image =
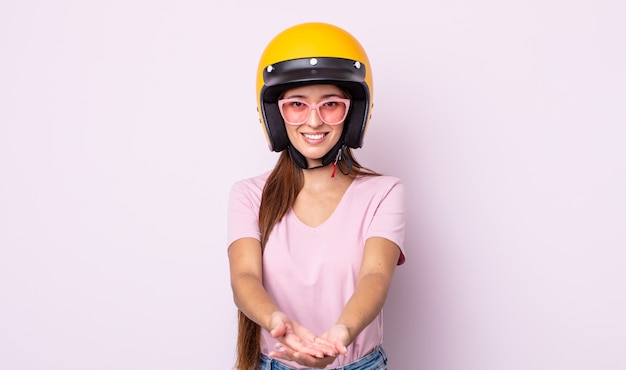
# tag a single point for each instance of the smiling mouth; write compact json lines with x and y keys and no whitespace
{"x":314,"y":136}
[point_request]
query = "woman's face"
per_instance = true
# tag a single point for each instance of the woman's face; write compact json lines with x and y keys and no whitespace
{"x":314,"y":138}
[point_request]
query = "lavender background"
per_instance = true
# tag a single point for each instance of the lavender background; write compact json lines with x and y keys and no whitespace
{"x":124,"y":123}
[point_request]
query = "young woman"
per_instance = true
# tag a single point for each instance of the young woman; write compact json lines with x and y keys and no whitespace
{"x":313,"y":244}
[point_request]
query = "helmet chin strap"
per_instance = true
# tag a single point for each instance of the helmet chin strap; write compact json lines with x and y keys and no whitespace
{"x":333,"y":156}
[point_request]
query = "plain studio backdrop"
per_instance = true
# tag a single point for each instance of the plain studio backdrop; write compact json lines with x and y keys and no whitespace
{"x":123,"y":125}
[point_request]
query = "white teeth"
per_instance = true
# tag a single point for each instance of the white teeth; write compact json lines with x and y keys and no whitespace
{"x":313,"y":137}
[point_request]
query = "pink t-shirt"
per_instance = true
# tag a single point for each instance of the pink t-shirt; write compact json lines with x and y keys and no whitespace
{"x":311,"y":272}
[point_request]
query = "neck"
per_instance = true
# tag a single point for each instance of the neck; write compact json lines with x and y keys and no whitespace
{"x":322,"y":177}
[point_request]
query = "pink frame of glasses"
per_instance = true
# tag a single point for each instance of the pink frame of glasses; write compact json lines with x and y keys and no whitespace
{"x":314,"y":107}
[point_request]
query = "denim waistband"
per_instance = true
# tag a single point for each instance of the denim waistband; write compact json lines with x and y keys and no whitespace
{"x":377,"y":355}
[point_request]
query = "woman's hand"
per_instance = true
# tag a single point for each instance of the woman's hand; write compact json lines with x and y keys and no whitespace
{"x":297,"y":343}
{"x":338,"y":336}
{"x":285,"y":353}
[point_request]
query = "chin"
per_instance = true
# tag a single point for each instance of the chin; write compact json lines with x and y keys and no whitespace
{"x":314,"y":157}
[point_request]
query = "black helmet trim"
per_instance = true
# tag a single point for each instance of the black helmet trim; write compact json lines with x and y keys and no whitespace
{"x":274,"y":126}
{"x":312,"y":70}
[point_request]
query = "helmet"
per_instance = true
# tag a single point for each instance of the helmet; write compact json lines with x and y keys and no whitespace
{"x":311,"y":53}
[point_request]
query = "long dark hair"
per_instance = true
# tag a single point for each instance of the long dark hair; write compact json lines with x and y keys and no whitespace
{"x":279,"y":195}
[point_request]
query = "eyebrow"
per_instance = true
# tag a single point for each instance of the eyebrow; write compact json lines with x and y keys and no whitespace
{"x":326,"y":96}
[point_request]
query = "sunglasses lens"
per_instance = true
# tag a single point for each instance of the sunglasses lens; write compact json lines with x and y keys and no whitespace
{"x":295,"y":112}
{"x":332,"y":112}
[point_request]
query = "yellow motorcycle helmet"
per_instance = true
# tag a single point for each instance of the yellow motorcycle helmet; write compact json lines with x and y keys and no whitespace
{"x":311,"y":53}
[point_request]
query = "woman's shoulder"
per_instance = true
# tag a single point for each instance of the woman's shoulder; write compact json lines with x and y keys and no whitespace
{"x":248,"y":191}
{"x":377,"y":186}
{"x":378,"y":181}
{"x":253,"y":184}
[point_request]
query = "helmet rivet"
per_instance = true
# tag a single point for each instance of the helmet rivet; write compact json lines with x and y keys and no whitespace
{"x":313,"y":61}
{"x":357,"y":65}
{"x":270,"y":68}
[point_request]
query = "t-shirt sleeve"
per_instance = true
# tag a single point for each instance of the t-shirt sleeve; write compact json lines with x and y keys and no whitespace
{"x":389,"y":220}
{"x":243,"y":212}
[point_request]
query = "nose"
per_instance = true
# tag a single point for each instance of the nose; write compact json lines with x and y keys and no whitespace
{"x":314,"y":119}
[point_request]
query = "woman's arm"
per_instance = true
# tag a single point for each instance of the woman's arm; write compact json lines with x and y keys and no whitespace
{"x":380,"y":258}
{"x":246,"y":280}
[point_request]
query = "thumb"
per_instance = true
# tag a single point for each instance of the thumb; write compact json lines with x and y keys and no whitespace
{"x":279,"y":330}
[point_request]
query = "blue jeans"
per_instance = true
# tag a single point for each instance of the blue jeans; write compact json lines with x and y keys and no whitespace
{"x":376,"y":360}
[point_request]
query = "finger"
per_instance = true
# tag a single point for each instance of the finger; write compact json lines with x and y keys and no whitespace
{"x":329,"y":348}
{"x":342,"y":349}
{"x":307,"y":349}
{"x":282,"y":352}
{"x":278,"y":331}
{"x":323,"y":342}
{"x":313,"y":362}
